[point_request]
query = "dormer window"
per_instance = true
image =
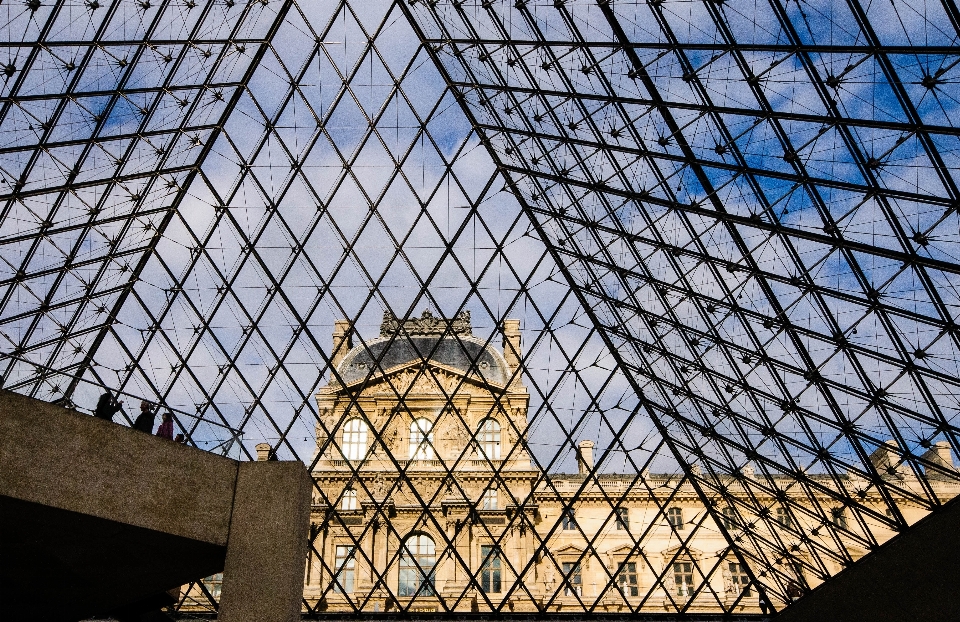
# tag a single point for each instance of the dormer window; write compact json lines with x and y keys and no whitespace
{"x":730,"y":518}
{"x":675,"y":517}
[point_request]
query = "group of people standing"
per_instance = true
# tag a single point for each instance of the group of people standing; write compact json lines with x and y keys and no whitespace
{"x":108,"y":406}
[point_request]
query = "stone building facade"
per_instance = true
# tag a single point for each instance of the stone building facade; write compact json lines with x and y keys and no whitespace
{"x":420,"y":443}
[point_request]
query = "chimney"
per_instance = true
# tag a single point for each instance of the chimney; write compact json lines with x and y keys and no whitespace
{"x":263,"y":452}
{"x":939,"y":454}
{"x":342,"y":340}
{"x":886,"y":459}
{"x":585,"y":457}
{"x":511,"y":343}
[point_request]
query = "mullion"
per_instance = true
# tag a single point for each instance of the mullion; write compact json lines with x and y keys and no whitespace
{"x":720,"y":25}
{"x":553,"y":251}
{"x":157,"y":171}
{"x":716,"y":47}
{"x":191,"y":171}
{"x":17,"y":186}
{"x":890,"y":217}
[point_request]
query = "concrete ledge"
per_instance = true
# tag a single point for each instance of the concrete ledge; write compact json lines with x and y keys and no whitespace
{"x":914,"y":576}
{"x":75,"y":462}
{"x":95,"y":516}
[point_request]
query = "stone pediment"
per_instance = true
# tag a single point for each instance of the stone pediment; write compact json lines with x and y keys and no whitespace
{"x":420,"y":378}
{"x":623,"y":551}
{"x":568,"y":551}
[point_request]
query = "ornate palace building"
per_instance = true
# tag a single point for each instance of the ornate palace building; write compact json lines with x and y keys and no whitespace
{"x":428,"y":416}
{"x":427,"y":499}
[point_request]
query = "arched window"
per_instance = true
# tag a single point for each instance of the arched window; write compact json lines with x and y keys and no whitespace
{"x":489,"y":438}
{"x":417,"y":557}
{"x":421,"y":439}
{"x":349,"y":500}
{"x":354,"y":441}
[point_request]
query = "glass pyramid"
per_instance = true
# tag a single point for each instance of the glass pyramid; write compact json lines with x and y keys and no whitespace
{"x":727,"y":229}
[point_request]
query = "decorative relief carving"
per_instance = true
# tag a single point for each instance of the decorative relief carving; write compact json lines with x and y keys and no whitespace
{"x":379,"y":488}
{"x":427,"y":324}
{"x":456,"y":437}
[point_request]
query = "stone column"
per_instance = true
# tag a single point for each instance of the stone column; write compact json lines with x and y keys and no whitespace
{"x":342,"y":341}
{"x":585,"y":457}
{"x":263,"y":452}
{"x":267,"y":545}
{"x":511,"y":343}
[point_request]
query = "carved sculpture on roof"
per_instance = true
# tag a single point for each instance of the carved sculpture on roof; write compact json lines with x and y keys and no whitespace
{"x":426,"y":325}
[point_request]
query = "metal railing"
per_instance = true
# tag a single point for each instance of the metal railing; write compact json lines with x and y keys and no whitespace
{"x":198,"y":431}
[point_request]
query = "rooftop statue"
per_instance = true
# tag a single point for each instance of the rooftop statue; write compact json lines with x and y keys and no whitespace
{"x":426,"y":325}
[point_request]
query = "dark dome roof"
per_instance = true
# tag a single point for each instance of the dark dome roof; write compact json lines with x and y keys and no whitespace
{"x":456,"y":352}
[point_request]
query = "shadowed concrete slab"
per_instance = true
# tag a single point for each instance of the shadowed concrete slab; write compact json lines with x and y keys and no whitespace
{"x":913,"y":577}
{"x":95,"y":516}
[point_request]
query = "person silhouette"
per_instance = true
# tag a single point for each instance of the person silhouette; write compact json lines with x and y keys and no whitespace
{"x":107,"y":407}
{"x":145,"y":419}
{"x":166,"y":427}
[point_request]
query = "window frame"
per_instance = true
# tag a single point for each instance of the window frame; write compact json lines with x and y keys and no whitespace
{"x":572,"y":578}
{"x":683,"y":569}
{"x":739,"y":578}
{"x":622,"y":519}
{"x":349,"y":500}
{"x":421,"y":440}
{"x":489,"y":435}
{"x":417,"y":577}
{"x":490,"y":499}
{"x":345,"y":565}
{"x":628,"y":578}
{"x":353,"y":439}
{"x":675,"y":517}
{"x":568,"y":520}
{"x":491,"y":569}
{"x":730,"y":519}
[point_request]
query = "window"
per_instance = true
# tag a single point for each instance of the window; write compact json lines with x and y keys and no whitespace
{"x":675,"y":518}
{"x":490,"y":570}
{"x":214,"y":583}
{"x":569,"y":520}
{"x":354,"y":441}
{"x":839,"y":517}
{"x":730,"y":518}
{"x":417,"y":557}
{"x":572,"y":580}
{"x":490,"y":499}
{"x":489,"y":434}
{"x":421,"y":440}
{"x":739,"y":579}
{"x":783,"y":517}
{"x":349,"y":499}
{"x":627,"y":579}
{"x":683,"y":578}
{"x":345,"y":565}
{"x":623,"y":519}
